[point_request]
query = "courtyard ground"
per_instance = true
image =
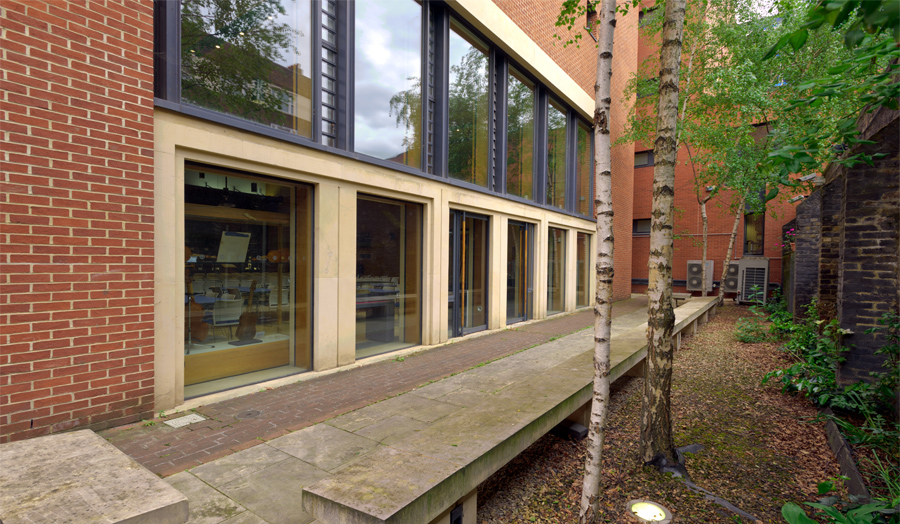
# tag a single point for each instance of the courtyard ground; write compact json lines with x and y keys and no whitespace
{"x":761,"y":448}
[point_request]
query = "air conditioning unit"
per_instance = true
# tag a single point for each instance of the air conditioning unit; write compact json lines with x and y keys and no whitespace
{"x":732,"y":282}
{"x":695,"y":275}
{"x":754,"y":279}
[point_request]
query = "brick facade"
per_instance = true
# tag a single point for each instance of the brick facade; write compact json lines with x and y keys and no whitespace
{"x":689,"y":227}
{"x":76,"y":244}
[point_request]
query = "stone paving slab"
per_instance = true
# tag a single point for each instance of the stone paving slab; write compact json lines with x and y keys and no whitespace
{"x":78,"y":477}
{"x":255,"y":477}
{"x":454,"y":454}
{"x":167,"y":451}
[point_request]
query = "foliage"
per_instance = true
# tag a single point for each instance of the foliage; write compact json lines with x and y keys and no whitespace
{"x":835,"y":510}
{"x":232,"y":55}
{"x":815,"y":346}
{"x":749,"y":330}
{"x":862,"y":82}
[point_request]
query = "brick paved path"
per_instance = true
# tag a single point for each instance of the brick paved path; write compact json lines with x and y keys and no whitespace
{"x":243,"y":422}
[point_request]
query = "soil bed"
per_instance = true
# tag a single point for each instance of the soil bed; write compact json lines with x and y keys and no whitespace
{"x":761,"y":448}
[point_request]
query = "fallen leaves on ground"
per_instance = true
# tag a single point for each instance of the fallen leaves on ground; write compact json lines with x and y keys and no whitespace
{"x":761,"y":448}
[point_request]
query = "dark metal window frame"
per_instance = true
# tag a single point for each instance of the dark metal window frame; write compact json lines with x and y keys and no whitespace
{"x":167,"y":95}
{"x":651,"y":161}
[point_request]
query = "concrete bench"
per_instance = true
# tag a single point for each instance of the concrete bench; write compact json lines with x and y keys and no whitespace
{"x":80,"y":477}
{"x":428,"y":474}
{"x":680,"y":298}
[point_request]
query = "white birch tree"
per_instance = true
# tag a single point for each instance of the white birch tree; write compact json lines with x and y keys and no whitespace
{"x":656,"y":444}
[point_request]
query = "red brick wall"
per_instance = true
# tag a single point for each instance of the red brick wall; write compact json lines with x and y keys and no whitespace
{"x":689,"y":226}
{"x":76,"y":244}
{"x":537,"y":20}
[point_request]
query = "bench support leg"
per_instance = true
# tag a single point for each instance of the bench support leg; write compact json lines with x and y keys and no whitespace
{"x":469,"y":505}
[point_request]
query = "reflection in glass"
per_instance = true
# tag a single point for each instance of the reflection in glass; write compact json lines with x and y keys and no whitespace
{"x":518,"y":272}
{"x":247,"y":279}
{"x":249,"y":59}
{"x":583,"y":268}
{"x":520,"y":135}
{"x":388,"y":275}
{"x":556,"y":155}
{"x":468,"y":126}
{"x":583,"y":169}
{"x":556,"y":271}
{"x":388,"y":85}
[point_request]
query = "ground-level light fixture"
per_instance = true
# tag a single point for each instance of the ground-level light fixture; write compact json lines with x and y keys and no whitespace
{"x":647,"y":511}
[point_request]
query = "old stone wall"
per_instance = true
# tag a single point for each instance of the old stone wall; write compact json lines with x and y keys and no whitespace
{"x":869,"y":263}
{"x":807,"y":246}
{"x":829,"y":254}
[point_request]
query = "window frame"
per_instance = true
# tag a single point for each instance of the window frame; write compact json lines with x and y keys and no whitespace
{"x":167,"y":95}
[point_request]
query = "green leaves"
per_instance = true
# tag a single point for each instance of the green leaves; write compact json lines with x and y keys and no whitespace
{"x":794,"y":514}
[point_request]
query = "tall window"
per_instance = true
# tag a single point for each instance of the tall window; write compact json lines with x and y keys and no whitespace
{"x":388,"y":84}
{"x":556,"y":155}
{"x":468,"y":107}
{"x":388,"y":275}
{"x":556,"y":271}
{"x":754,"y":226}
{"x":583,"y":169}
{"x":248,"y":242}
{"x":583,"y":278}
{"x":249,"y":59}
{"x":520,"y":135}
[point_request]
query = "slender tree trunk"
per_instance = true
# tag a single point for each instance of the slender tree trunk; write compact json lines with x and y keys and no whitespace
{"x":656,"y":417}
{"x":734,"y":230}
{"x":705,"y":218}
{"x":603,"y":303}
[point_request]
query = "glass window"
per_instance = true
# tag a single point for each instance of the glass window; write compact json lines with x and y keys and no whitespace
{"x":643,"y":159}
{"x":248,"y":276}
{"x":584,"y":167}
{"x":388,"y":83}
{"x":754,"y":226}
{"x":469,"y":273}
{"x":583,"y":277}
{"x":388,"y":275}
{"x":556,"y":271}
{"x":641,"y":226}
{"x":468,"y":107}
{"x":249,"y":59}
{"x":520,"y":135}
{"x":556,"y":155}
{"x":518,"y":272}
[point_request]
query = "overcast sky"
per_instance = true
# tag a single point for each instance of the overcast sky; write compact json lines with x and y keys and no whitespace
{"x":388,"y":55}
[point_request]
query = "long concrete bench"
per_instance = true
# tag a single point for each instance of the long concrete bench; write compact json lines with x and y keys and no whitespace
{"x":80,"y":477}
{"x":424,"y":476}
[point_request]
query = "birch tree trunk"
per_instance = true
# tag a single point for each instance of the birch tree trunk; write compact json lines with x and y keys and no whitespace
{"x":705,"y":218}
{"x":734,"y":230}
{"x":656,"y":443}
{"x":603,"y":303}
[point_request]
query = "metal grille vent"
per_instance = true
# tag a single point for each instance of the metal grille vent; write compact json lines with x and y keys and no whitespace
{"x":754,"y":284}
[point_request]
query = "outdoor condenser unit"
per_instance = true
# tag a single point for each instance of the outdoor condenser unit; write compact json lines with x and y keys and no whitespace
{"x":695,"y":274}
{"x":732,"y":282}
{"x":754,"y":275}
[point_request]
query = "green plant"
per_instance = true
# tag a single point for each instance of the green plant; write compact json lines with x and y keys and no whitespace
{"x":832,"y":509}
{"x":750,"y":331}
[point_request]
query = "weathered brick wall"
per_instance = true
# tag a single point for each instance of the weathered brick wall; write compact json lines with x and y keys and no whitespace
{"x":870,"y":251}
{"x":832,"y":195}
{"x":76,"y":244}
{"x":807,"y":245}
{"x":537,"y":20}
